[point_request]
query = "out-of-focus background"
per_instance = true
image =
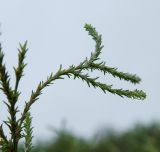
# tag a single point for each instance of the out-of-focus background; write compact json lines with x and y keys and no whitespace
{"x":55,"y":34}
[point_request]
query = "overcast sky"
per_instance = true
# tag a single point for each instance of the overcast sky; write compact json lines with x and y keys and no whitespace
{"x":55,"y":34}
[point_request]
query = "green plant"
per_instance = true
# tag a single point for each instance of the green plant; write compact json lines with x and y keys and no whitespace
{"x":18,"y":125}
{"x":28,"y":130}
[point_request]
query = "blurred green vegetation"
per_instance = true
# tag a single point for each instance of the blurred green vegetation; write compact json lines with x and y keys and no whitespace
{"x":141,"y":138}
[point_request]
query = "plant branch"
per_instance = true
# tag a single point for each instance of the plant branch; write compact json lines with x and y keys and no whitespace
{"x":28,"y":129}
{"x":12,"y":97}
{"x":79,"y":71}
{"x":21,"y":65}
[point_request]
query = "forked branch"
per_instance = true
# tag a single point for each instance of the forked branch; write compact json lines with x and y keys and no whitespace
{"x":81,"y":71}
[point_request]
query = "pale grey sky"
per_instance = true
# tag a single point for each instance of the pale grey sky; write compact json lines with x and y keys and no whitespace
{"x":55,"y":34}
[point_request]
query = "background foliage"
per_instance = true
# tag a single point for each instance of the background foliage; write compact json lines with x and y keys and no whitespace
{"x":141,"y":138}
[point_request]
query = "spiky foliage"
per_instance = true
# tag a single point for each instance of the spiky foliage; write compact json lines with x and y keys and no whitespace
{"x":89,"y":64}
{"x":28,"y":131}
{"x":4,"y":145}
{"x":21,"y":65}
